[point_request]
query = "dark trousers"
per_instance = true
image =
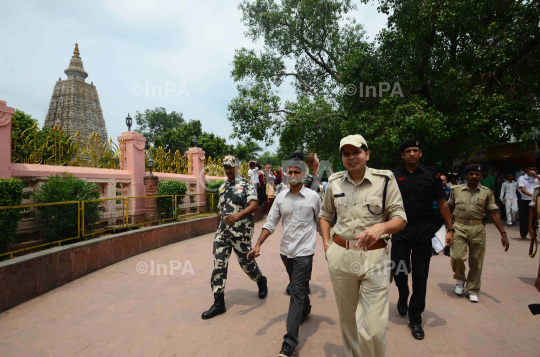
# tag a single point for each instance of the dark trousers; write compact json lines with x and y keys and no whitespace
{"x":415,"y":254}
{"x":299,"y":269}
{"x":524,"y":208}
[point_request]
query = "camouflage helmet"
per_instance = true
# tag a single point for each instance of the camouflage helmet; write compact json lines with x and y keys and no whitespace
{"x":230,"y":161}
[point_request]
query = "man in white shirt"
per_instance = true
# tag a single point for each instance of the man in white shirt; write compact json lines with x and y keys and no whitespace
{"x":253,"y":175}
{"x":509,"y":199}
{"x":526,"y":184}
{"x":299,"y":207}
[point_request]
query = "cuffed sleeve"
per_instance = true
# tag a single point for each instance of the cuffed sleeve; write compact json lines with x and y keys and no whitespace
{"x":490,"y":204}
{"x":328,"y":208}
{"x":273,"y":216}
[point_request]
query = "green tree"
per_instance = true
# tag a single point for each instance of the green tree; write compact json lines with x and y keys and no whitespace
{"x":49,"y":144}
{"x":468,"y":75}
{"x":153,"y":123}
{"x":269,"y":158}
{"x":181,"y":138}
{"x":11,"y":193}
{"x":246,"y":151}
{"x":60,"y":221}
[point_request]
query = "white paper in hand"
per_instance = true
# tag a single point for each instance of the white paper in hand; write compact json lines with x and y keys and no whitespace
{"x":438,"y":241}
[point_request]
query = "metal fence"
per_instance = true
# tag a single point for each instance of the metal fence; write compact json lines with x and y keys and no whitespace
{"x":46,"y":224}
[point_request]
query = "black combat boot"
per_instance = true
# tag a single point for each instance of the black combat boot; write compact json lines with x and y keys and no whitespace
{"x":217,"y":309}
{"x":263,"y":287}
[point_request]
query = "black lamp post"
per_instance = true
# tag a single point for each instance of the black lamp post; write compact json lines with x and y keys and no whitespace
{"x":194,"y":140}
{"x":129,"y":121}
{"x":150,"y":165}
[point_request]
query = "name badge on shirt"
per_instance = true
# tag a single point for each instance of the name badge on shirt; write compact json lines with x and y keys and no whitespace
{"x":339,"y":195}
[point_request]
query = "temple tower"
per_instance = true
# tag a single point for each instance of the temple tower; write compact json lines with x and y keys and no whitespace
{"x":75,"y":104}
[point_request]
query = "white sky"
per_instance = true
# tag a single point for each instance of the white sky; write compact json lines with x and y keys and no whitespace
{"x":128,"y":45}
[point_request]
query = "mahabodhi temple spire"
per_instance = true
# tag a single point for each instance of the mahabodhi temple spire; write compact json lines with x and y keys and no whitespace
{"x":75,"y":104}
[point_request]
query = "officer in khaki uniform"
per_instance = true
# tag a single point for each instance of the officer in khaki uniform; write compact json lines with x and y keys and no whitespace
{"x":358,"y":258}
{"x":470,"y":204}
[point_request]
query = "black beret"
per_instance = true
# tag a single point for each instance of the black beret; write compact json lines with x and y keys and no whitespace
{"x":409,"y":143}
{"x":296,"y":155}
{"x":474,"y":167}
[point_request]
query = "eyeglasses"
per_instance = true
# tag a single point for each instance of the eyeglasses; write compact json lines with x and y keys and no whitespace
{"x":296,"y":173}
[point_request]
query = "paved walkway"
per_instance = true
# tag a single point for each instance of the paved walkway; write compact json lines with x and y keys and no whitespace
{"x":119,"y":312}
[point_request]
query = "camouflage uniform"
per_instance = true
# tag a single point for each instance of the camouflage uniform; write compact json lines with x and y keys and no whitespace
{"x":234,"y":198}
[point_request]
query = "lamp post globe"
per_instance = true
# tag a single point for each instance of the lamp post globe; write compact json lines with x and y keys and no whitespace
{"x":129,"y":121}
{"x":150,"y":165}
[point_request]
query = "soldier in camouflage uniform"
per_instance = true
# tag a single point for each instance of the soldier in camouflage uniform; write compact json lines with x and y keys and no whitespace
{"x":237,"y":202}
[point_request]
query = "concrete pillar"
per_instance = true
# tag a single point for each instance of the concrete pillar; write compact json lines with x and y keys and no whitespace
{"x":151,"y":185}
{"x":110,"y":192}
{"x":135,"y":164}
{"x":5,"y":139}
{"x":197,"y":162}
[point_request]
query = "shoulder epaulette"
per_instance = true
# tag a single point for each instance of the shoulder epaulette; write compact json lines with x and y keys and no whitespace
{"x":336,"y":175}
{"x":456,"y":186}
{"x":485,"y":188}
{"x":386,"y":173}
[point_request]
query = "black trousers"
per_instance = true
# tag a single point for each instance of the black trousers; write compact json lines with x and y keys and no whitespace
{"x":299,"y":269}
{"x":412,"y":253}
{"x":524,"y":208}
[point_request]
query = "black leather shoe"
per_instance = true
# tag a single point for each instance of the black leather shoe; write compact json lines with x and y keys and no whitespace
{"x":417,"y":331}
{"x":217,"y":308}
{"x":402,"y":307}
{"x":286,"y":350}
{"x":263,"y":287}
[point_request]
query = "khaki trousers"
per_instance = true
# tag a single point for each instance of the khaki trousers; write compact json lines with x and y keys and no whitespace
{"x":474,"y":238}
{"x":360,"y":281}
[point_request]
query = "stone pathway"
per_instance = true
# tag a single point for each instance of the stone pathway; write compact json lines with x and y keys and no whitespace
{"x":118,"y":311}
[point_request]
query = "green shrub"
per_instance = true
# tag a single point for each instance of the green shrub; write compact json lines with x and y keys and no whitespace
{"x":61,"y":220}
{"x":212,"y":188}
{"x":170,"y":187}
{"x":11,"y":192}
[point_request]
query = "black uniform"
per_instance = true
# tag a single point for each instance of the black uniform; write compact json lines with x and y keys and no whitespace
{"x":413,"y":244}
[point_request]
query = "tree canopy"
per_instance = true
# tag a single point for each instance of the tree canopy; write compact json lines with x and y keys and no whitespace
{"x":467,"y":74}
{"x":156,"y":122}
{"x":181,"y":138}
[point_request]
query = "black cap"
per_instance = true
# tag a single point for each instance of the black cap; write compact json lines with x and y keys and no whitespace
{"x":409,"y":143}
{"x":474,"y":167}
{"x":296,"y":155}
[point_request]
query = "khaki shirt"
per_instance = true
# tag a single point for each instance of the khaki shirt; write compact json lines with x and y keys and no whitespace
{"x":358,"y":206}
{"x":467,"y":205}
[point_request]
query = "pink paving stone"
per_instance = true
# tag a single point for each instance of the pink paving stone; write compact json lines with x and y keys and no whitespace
{"x":119,"y":312}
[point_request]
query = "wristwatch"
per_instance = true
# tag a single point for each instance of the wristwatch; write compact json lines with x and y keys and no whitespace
{"x":451,"y":230}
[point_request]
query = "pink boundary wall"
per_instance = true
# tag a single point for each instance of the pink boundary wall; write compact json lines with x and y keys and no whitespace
{"x":132,"y":176}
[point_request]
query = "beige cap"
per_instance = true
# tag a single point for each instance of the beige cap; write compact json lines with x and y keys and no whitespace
{"x":354,"y":140}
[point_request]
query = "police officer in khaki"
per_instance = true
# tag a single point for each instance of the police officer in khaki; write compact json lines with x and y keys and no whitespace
{"x":358,"y":259}
{"x":470,"y":204}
